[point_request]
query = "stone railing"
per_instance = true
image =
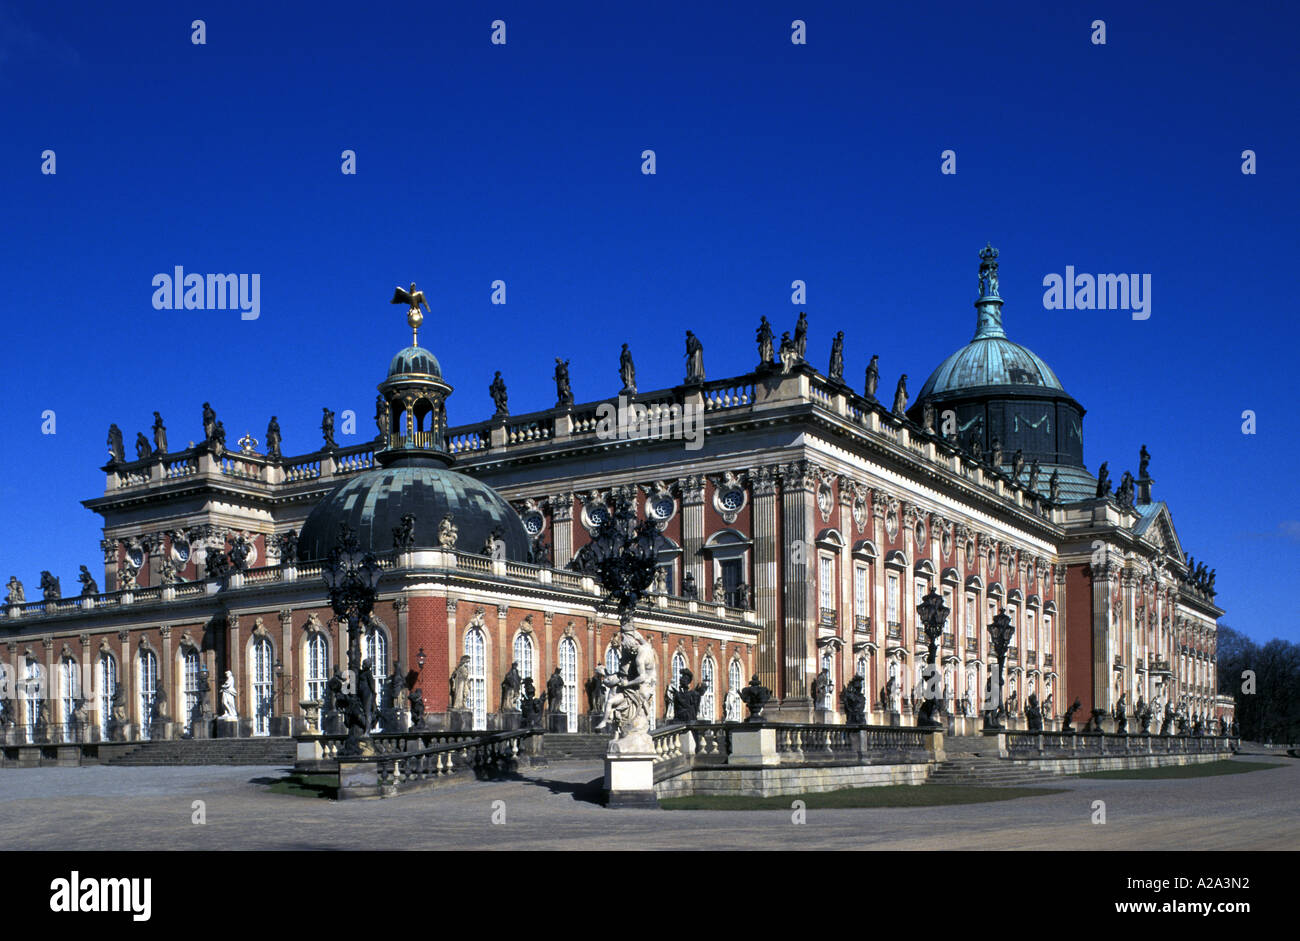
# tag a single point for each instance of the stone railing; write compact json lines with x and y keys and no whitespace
{"x":1080,"y":744}
{"x":682,"y":747}
{"x":388,"y":773}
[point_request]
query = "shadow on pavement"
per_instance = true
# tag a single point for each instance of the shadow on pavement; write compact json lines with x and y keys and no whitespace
{"x":589,"y":792}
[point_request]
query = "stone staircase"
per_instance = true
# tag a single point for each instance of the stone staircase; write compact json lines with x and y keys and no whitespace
{"x":973,"y":760}
{"x":211,"y":751}
{"x":574,"y":746}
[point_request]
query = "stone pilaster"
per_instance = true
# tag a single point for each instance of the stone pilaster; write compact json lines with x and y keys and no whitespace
{"x":561,"y":529}
{"x":798,"y":520}
{"x":126,"y":676}
{"x":766,"y":569}
{"x":175,"y":700}
{"x":693,"y":489}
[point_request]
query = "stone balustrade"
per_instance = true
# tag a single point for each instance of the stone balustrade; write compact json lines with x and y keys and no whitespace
{"x":392,"y":770}
{"x":1012,"y":744}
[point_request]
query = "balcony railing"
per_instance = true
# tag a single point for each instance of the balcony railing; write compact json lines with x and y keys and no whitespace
{"x":862,"y":624}
{"x":827,"y":617}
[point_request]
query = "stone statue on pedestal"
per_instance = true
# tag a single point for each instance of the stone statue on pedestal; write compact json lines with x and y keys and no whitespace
{"x":836,"y":371}
{"x":530,"y":706}
{"x":995,"y":453}
{"x":853,"y":700}
{"x":1034,"y":471}
{"x":460,"y":685}
{"x":694,"y":359}
{"x":787,"y":353}
{"x":689,"y":590}
{"x":900,"y":396}
{"x":764,"y":337}
{"x":327,"y":429}
{"x":555,"y":692}
{"x":116,"y":450}
{"x":142,"y":448}
{"x":1121,"y":715}
{"x":1017,"y":465}
{"x":510,"y":685}
{"x":873,"y":378}
{"x":50,"y":589}
{"x":88,"y":584}
{"x":209,"y":422}
{"x":595,"y":690}
{"x":229,"y":697}
{"x":1068,"y":718}
{"x":447,"y":532}
{"x":1103,"y":480}
{"x":801,"y":336}
{"x":159,"y":435}
{"x":1144,"y":461}
{"x":563,"y":391}
{"x":366,"y":692}
{"x":1167,"y":722}
{"x":417,"y":709}
{"x":1033,"y":714}
{"x":1054,"y":487}
{"x":686,"y":701}
{"x":821,"y":685}
{"x":627,"y":371}
{"x":273,"y":438}
{"x":630,"y":693}
{"x":404,"y":533}
{"x":497,"y":390}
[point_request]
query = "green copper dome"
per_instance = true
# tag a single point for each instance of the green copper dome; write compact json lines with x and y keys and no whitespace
{"x":990,"y":361}
{"x":414,"y":360}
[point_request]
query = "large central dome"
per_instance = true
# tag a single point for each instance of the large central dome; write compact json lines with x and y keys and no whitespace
{"x":990,"y":361}
{"x":373,"y":504}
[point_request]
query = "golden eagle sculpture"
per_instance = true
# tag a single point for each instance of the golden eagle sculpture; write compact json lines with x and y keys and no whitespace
{"x":413,"y":300}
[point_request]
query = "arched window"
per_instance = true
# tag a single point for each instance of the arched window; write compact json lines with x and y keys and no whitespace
{"x":69,"y":693}
{"x":32,"y":694}
{"x":611,"y":659}
{"x":708,"y":700}
{"x":376,"y":651}
{"x":318,"y":666}
{"x":147,"y":692}
{"x":525,"y":654}
{"x":569,"y":673}
{"x":679,"y":664}
{"x":106,"y":680}
{"x":190,"y":668}
{"x":259,"y":668}
{"x":476,"y":650}
{"x":736,"y":681}
{"x":828,"y":697}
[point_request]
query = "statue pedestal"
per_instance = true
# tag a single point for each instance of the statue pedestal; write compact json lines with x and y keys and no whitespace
{"x":509,"y":720}
{"x":630,"y":781}
{"x":753,"y":747}
{"x":460,"y":720}
{"x":557,"y":722}
{"x":227,"y":728}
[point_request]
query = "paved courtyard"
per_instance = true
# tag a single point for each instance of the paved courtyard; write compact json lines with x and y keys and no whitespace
{"x":103,"y":808}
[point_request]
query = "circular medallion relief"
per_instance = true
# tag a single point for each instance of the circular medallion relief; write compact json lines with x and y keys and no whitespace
{"x":533,"y":522}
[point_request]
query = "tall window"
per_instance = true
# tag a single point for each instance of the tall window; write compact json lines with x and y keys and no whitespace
{"x":828,"y":664}
{"x":524,"y":655}
{"x":708,"y":701}
{"x":735,"y":680}
{"x":972,"y":621}
{"x":1029,"y":630}
{"x":611,"y":659}
{"x":949,"y":626}
{"x":318,"y":666}
{"x":32,"y":693}
{"x":569,"y":673}
{"x":376,"y":651}
{"x":891,"y":599}
{"x":69,"y":693}
{"x":147,"y":694}
{"x":107,"y":682}
{"x":260,"y":658}
{"x":476,"y":650}
{"x":1047,"y":633}
{"x":190,"y":672}
{"x":1017,"y":637}
{"x":860,"y":616}
{"x":826,"y":588}
{"x":732,"y":576}
{"x":679,"y":664}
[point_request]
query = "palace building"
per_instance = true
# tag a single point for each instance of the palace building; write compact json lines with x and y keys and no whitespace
{"x":797,"y":537}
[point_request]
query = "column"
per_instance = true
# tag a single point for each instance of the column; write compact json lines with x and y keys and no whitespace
{"x":766,"y":570}
{"x":798,"y":506}
{"x":126,"y":676}
{"x":175,"y":700}
{"x":289,"y":660}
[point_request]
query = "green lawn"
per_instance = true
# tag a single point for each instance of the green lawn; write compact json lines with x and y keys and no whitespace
{"x":1207,"y":770}
{"x":306,"y":785}
{"x":893,"y":795}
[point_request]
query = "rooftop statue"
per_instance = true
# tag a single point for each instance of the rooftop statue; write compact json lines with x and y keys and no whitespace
{"x":447,"y":532}
{"x":413,"y":300}
{"x":995,"y":453}
{"x":1034,"y":471}
{"x":116,"y":451}
{"x":801,"y":336}
{"x":1144,"y":459}
{"x":988,"y":286}
{"x":976,"y":446}
{"x":1103,"y":480}
{"x":327,"y":429}
{"x":142,"y":448}
{"x":88,"y":584}
{"x":497,"y":390}
{"x":1017,"y":465}
{"x":209,"y":421}
{"x":836,"y":372}
{"x":404,"y":533}
{"x":1124,"y":494}
{"x":1054,"y":487}
{"x":273,"y":438}
{"x":289,"y":547}
{"x":927,"y":417}
{"x":50,"y":589}
{"x":627,"y":371}
{"x":766,"y":356}
{"x":694,"y":359}
{"x":218,"y":440}
{"x":381,"y":415}
{"x":873,"y":377}
{"x":689,"y":588}
{"x":159,"y":435}
{"x":900,"y":396}
{"x":563,"y":391}
{"x":787,"y":353}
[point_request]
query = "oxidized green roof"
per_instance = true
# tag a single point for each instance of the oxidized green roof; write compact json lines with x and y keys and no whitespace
{"x":990,"y":361}
{"x":415,"y":360}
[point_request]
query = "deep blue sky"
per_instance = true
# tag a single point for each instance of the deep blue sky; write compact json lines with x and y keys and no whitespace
{"x":775,"y":162}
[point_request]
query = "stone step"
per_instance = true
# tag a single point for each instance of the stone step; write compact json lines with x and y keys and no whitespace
{"x":259,"y":751}
{"x":574,"y":746}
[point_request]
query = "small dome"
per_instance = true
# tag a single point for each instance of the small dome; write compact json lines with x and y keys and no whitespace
{"x":414,"y":360}
{"x":990,"y":361}
{"x":373,"y":504}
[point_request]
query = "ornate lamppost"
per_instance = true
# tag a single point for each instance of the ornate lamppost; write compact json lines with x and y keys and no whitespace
{"x":352,"y":580}
{"x":934,"y":614}
{"x":1000,"y":632}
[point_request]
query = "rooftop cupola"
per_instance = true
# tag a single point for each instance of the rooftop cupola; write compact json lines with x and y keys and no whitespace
{"x":411,"y":409}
